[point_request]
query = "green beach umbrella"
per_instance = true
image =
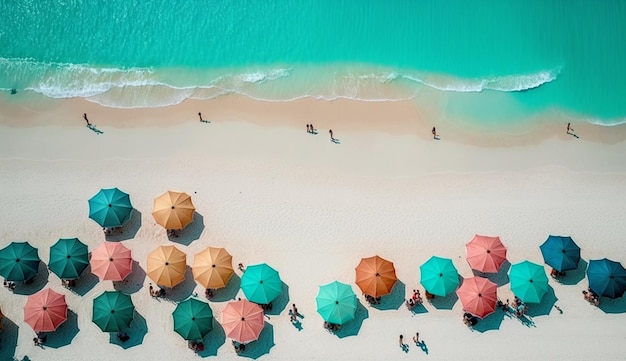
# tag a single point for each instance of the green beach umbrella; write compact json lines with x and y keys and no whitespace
{"x":19,"y":262}
{"x":193,"y":319}
{"x":110,"y":207}
{"x":528,"y":281}
{"x":68,"y":258}
{"x":113,"y":311}
{"x":439,"y":276}
{"x":261,"y":283}
{"x":336,"y":302}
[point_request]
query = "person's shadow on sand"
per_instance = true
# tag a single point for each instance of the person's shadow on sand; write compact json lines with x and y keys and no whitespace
{"x":94,"y":129}
{"x":335,"y":140}
{"x":421,"y":344}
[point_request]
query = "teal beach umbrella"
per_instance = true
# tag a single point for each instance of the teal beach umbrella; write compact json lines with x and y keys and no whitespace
{"x":261,"y":283}
{"x":528,"y":281}
{"x":110,"y":207}
{"x":113,"y":311}
{"x":606,"y":278}
{"x":68,"y":258}
{"x":439,"y":276}
{"x":19,"y":262}
{"x":336,"y":302}
{"x":193,"y":319}
{"x":560,"y":253}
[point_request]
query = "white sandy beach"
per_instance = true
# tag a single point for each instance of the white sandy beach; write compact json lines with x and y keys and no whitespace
{"x":269,"y":192}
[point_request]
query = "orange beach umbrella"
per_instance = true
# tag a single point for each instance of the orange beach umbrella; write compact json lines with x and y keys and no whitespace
{"x":212,"y":267}
{"x":375,"y":276}
{"x":478,"y":296}
{"x":173,"y":210}
{"x":485,"y":254}
{"x":45,"y":310}
{"x":166,"y":266}
{"x":111,"y":261}
{"x":243,"y":321}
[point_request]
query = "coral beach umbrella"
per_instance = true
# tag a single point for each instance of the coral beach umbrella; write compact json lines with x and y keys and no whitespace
{"x":19,"y":261}
{"x":261,"y":283}
{"x":45,"y":310}
{"x":560,"y":253}
{"x":111,"y":261}
{"x":485,"y":254}
{"x":68,"y":258}
{"x":166,"y":266}
{"x":110,"y":207}
{"x":243,"y":321}
{"x":439,"y":276}
{"x":193,"y":319}
{"x":528,"y":281}
{"x":212,"y":267}
{"x":113,"y":311}
{"x":478,"y":296}
{"x":606,"y":278}
{"x":173,"y":210}
{"x":336,"y":302}
{"x":375,"y":276}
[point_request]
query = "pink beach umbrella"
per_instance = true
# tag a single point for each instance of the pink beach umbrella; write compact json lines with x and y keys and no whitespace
{"x":478,"y":296}
{"x":111,"y":261}
{"x":45,"y":310}
{"x":485,"y":254}
{"x":243,"y":321}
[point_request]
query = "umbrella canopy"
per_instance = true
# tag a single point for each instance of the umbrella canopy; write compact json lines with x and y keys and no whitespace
{"x":485,"y":254}
{"x":243,"y":321}
{"x":478,"y":296}
{"x":68,"y":258}
{"x":113,"y":311}
{"x":173,"y":210}
{"x":19,"y":262}
{"x":1,"y":316}
{"x":193,"y":319}
{"x":111,"y":261}
{"x":45,"y":310}
{"x":560,"y":253}
{"x":261,"y":283}
{"x":439,"y":276}
{"x":606,"y":278}
{"x":528,"y":281}
{"x":212,"y":267}
{"x":336,"y":302}
{"x":166,"y":266}
{"x":375,"y":276}
{"x":110,"y":207}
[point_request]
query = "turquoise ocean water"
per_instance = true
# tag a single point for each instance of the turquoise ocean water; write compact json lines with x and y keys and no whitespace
{"x":491,"y":60}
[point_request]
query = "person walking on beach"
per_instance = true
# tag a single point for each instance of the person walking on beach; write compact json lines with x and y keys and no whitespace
{"x":434,"y":133}
{"x":401,"y":341}
{"x":569,"y":128}
{"x":332,"y":139}
{"x":312,"y":129}
{"x":87,"y":120}
{"x":416,"y":338}
{"x":294,"y":313}
{"x":308,"y":128}
{"x":200,"y":115}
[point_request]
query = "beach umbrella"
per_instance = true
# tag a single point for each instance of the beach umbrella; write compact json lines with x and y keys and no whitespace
{"x":375,"y":276}
{"x":243,"y":321}
{"x":261,"y":283}
{"x":19,"y":261}
{"x":110,"y":207}
{"x":173,"y":210}
{"x":1,"y":317}
{"x":111,"y":261}
{"x":478,"y":296}
{"x":45,"y":310}
{"x":166,"y":266}
{"x":439,"y":276}
{"x":606,"y":278}
{"x":336,"y":302}
{"x":193,"y":319}
{"x":485,"y":254}
{"x":528,"y":281}
{"x":113,"y":311}
{"x":68,"y":258}
{"x":212,"y":267}
{"x":560,"y":253}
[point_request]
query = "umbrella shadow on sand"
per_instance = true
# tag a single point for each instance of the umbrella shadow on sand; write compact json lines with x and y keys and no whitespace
{"x":181,"y":291}
{"x":419,"y":308}
{"x":351,"y":328}
{"x":393,"y":300}
{"x":8,"y":339}
{"x":85,"y":282}
{"x":136,"y":333}
{"x":280,"y":303}
{"x":66,"y":332}
{"x":444,"y":303}
{"x":544,"y":307}
{"x":213,"y":340}
{"x":191,"y":232}
{"x":491,"y":322}
{"x":133,"y":282}
{"x":36,"y":283}
{"x":262,"y":346}
{"x":128,"y":230}
{"x":617,"y":305}
{"x":500,"y":278}
{"x":573,"y":277}
{"x":229,"y":292}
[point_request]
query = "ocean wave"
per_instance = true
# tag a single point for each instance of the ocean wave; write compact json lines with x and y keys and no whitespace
{"x":607,"y":122}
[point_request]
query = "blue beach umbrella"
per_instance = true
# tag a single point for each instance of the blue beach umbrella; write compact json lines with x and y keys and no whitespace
{"x":68,"y":258}
{"x":439,"y":276}
{"x":606,"y":278}
{"x":261,"y":283}
{"x":19,"y":261}
{"x":528,"y":281}
{"x":560,"y":253}
{"x":110,"y":207}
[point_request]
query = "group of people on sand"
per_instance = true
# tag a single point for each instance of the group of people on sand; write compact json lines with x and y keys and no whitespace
{"x":591,"y":297}
{"x":415,"y":300}
{"x":156,"y":293}
{"x":331,"y":327}
{"x":9,"y":284}
{"x":372,"y":300}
